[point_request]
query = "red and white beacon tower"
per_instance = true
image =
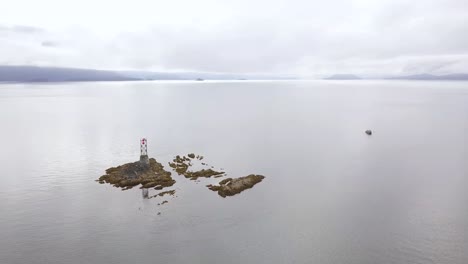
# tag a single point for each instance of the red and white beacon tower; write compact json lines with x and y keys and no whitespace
{"x":144,"y":151}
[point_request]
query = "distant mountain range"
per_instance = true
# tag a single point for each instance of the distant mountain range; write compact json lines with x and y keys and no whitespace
{"x":57,"y":74}
{"x":448,"y":77}
{"x":53,"y":74}
{"x":343,"y":77}
{"x":426,"y":77}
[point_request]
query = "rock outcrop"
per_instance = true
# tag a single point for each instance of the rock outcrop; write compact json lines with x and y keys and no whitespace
{"x":181,"y":166}
{"x":230,"y":186}
{"x":127,"y":176}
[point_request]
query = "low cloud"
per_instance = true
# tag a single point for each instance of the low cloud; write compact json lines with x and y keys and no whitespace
{"x":305,"y":38}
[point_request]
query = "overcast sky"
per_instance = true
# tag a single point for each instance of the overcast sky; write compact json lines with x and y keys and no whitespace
{"x":301,"y":37}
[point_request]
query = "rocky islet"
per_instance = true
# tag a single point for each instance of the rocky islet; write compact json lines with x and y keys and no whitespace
{"x":152,"y":174}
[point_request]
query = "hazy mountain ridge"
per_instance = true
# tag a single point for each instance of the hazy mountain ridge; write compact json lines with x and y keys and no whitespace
{"x":448,"y":77}
{"x":55,"y":74}
{"x":58,"y":74}
{"x":416,"y":77}
{"x":343,"y":77}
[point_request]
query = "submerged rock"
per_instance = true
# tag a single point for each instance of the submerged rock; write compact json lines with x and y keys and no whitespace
{"x":230,"y":186}
{"x":132,"y":174}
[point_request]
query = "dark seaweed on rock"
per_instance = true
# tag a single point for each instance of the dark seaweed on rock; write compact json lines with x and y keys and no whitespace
{"x":182,"y":164}
{"x":230,"y":186}
{"x":171,"y":193}
{"x":163,"y":202}
{"x":202,"y":173}
{"x":132,"y":174}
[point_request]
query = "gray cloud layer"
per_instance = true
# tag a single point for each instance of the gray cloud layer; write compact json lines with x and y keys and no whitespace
{"x":306,"y":38}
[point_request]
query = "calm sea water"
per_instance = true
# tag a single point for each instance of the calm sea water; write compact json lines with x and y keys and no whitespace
{"x":332,"y":193}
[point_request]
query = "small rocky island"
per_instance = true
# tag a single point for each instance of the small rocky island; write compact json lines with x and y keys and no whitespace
{"x":149,"y":173}
{"x":132,"y":174}
{"x":230,"y":187}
